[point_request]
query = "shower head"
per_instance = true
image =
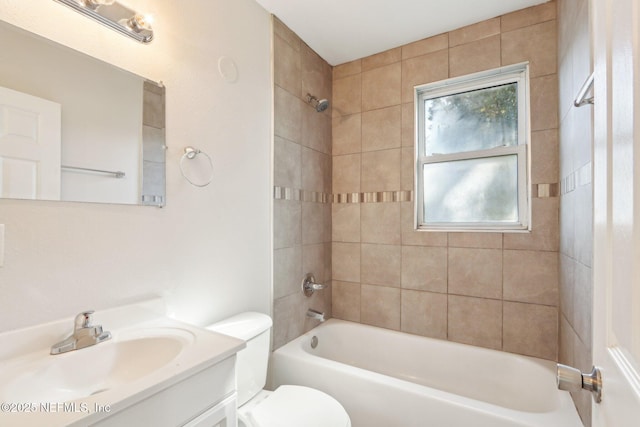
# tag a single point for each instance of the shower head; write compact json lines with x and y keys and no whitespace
{"x":319,"y":104}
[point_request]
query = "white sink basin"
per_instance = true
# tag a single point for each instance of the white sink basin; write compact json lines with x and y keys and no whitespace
{"x":125,"y":358}
{"x":148,"y":353}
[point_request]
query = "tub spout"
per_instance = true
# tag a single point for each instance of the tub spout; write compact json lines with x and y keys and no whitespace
{"x":315,"y":315}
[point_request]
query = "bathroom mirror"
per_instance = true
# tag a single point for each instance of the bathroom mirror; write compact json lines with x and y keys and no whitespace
{"x":74,"y":128}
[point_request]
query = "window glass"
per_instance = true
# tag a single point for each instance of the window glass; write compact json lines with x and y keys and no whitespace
{"x":470,"y":191}
{"x":474,"y":120}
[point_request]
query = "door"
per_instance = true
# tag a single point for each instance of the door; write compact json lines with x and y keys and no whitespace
{"x":616,"y":179}
{"x":29,"y":146}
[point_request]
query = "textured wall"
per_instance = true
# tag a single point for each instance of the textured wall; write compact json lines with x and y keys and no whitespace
{"x":576,"y":200}
{"x":488,"y":289}
{"x":208,"y":251}
{"x":302,"y":180}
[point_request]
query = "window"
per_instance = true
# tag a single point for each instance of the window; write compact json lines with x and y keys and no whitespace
{"x":471,"y":152}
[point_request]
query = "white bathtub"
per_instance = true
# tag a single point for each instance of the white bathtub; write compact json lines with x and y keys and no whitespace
{"x":392,"y":379}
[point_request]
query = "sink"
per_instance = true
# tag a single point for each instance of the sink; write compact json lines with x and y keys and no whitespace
{"x":128,"y":357}
{"x":148,"y":355}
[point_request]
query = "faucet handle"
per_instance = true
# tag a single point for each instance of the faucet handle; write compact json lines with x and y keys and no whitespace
{"x":83,"y":320}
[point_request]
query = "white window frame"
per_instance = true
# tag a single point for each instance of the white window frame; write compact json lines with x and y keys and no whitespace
{"x":518,"y":73}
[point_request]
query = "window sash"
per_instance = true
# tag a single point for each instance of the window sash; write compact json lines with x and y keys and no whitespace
{"x":523,"y":213}
{"x":516,"y":73}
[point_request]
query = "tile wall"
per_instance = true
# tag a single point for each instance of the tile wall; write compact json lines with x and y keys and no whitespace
{"x":487,"y":289}
{"x":302,"y":184}
{"x":576,"y":213}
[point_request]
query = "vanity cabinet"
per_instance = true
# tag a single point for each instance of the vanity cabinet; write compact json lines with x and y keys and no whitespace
{"x":204,"y":399}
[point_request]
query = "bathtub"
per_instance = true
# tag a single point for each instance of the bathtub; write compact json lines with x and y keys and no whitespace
{"x":392,"y":379}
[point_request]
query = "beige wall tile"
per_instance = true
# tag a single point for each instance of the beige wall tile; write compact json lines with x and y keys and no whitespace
{"x":345,"y":222}
{"x":584,"y":224}
{"x":287,"y":167}
{"x":312,"y":223}
{"x":476,"y":240}
{"x":347,"y":132}
{"x":410,"y":236}
{"x":346,"y":301}
{"x":287,"y":271}
{"x":327,"y":226}
{"x":565,"y":342}
{"x":544,"y":157}
{"x":380,"y":265}
{"x":424,"y":46}
{"x":314,"y":167}
{"x":544,"y":102}
{"x":345,"y":262}
{"x":381,"y":59}
{"x":288,"y":319}
{"x":285,"y":33}
{"x":381,"y":129}
{"x":286,"y":66}
{"x":545,"y":227}
{"x":423,"y":69}
{"x":346,"y":173}
{"x":313,"y":262}
{"x":424,"y":313}
{"x":316,"y":74}
{"x":380,"y":306}
{"x":536,"y":44}
{"x":474,"y":32}
{"x":287,"y":115}
{"x":475,"y":321}
{"x":380,"y":223}
{"x":583,"y":303}
{"x":347,"y":69}
{"x":566,"y":286}
{"x":347,"y":95}
{"x":475,"y":272}
{"x":315,"y":130}
{"x":381,"y":87}
{"x":408,"y":119}
{"x":407,"y":169}
{"x":381,"y":170}
{"x":287,"y":220}
{"x":531,"y":330}
{"x":424,"y":268}
{"x":529,"y":16}
{"x":531,"y":276}
{"x":480,"y":55}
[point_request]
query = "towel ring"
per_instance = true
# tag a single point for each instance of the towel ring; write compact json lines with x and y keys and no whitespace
{"x":191,"y":153}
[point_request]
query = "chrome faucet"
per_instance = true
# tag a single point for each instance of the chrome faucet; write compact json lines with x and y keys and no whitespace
{"x":315,"y":315}
{"x":84,"y":335}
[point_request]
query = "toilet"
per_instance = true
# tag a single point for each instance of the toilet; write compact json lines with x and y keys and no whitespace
{"x":288,"y":405}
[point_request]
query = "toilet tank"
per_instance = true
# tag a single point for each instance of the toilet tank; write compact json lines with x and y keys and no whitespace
{"x":251,"y":365}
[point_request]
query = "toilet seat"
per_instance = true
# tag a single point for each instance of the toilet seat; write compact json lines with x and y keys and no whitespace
{"x":295,"y":406}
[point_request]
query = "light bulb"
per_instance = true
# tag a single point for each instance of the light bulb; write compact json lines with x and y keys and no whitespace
{"x":140,"y":22}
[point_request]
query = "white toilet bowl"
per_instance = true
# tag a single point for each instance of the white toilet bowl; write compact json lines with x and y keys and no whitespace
{"x":288,"y":405}
{"x":293,"y":406}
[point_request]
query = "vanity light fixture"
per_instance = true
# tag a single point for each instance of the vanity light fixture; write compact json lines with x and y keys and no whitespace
{"x":115,"y":16}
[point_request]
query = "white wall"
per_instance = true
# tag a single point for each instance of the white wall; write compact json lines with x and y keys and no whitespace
{"x":208,"y":250}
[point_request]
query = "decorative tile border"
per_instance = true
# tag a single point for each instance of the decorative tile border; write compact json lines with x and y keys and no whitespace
{"x":542,"y":191}
{"x":374,"y":197}
{"x":294,"y":194}
{"x":538,"y":191}
{"x":577,"y":178}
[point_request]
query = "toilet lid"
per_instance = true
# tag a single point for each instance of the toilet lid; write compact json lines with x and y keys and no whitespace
{"x":295,"y":406}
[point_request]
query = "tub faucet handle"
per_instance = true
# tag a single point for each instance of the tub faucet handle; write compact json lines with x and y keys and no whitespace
{"x":309,"y":285}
